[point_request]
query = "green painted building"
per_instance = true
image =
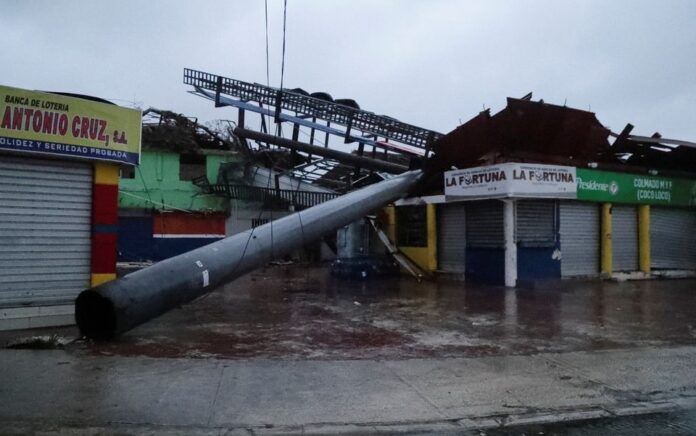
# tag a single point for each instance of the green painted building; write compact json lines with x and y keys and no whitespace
{"x":164,"y":181}
{"x":163,"y":209}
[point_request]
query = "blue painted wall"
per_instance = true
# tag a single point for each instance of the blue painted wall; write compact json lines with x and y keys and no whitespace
{"x":164,"y":248}
{"x":485,"y":265}
{"x":136,"y":243}
{"x":537,"y":263}
{"x":135,"y":239}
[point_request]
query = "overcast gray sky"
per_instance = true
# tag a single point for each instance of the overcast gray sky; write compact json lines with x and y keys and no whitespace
{"x":430,"y":63}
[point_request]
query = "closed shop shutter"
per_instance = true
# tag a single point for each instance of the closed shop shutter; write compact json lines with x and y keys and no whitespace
{"x":536,"y":223}
{"x":673,"y":238}
{"x":580,"y":233}
{"x":484,"y":224}
{"x":45,"y":237}
{"x":451,"y":243}
{"x":624,"y":236}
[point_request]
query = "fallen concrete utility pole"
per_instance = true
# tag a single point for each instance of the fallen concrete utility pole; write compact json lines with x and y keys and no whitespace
{"x":341,"y":156}
{"x":115,"y":307}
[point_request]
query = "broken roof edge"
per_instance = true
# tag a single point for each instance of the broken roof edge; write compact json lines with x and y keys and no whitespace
{"x":528,"y":126}
{"x":171,"y":131}
{"x":554,"y":134}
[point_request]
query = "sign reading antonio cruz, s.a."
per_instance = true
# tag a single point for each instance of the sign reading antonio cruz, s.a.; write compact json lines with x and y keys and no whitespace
{"x":40,"y":122}
{"x":512,"y":180}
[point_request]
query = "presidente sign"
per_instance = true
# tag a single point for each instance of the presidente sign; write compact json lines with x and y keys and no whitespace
{"x":550,"y":181}
{"x":614,"y":187}
{"x":512,"y":180}
{"x":40,"y":122}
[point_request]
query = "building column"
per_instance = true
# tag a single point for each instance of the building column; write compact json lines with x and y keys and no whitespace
{"x":510,"y":243}
{"x":606,"y":244}
{"x":390,"y":224}
{"x":431,"y":218}
{"x":104,"y":222}
{"x":644,"y":238}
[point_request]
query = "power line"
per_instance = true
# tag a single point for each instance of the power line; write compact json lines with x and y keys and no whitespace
{"x":268,"y":68}
{"x":282,"y":65}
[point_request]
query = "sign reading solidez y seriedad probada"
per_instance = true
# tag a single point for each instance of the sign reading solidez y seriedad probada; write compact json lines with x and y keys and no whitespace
{"x":550,"y":181}
{"x":40,"y":122}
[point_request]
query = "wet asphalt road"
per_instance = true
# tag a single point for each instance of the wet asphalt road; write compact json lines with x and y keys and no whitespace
{"x":303,"y":313}
{"x":681,"y":423}
{"x":293,"y":331}
{"x":300,"y":312}
{"x":59,"y":392}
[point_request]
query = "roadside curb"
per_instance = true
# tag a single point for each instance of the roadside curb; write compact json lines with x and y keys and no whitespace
{"x":448,"y":426}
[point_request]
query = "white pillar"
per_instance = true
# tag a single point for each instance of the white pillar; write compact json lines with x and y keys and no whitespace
{"x":510,"y":243}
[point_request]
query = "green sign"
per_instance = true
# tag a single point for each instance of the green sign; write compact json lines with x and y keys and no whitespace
{"x":612,"y":187}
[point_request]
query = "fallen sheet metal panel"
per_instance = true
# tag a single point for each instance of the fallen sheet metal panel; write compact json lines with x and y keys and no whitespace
{"x":402,"y":260}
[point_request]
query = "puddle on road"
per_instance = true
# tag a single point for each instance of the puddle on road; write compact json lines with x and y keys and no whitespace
{"x":303,"y":313}
{"x":667,"y":424}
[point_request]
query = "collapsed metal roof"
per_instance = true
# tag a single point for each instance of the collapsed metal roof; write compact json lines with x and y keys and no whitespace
{"x":535,"y":131}
{"x":361,"y":126}
{"x":543,"y":132}
{"x":655,"y":152}
{"x":538,"y":132}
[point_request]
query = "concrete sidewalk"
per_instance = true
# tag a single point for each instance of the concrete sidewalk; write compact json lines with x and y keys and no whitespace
{"x":58,"y":391}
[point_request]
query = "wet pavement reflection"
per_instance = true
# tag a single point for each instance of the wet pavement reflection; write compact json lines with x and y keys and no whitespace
{"x":667,"y":424}
{"x":302,"y":312}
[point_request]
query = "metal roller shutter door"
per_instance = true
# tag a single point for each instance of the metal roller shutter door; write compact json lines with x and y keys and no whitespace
{"x":451,"y":245}
{"x":624,"y":236}
{"x":673,"y":238}
{"x":536,"y":222}
{"x":484,"y":224}
{"x":580,"y":232}
{"x":45,"y":237}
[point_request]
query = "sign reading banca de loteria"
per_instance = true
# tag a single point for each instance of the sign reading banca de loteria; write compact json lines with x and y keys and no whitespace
{"x":40,"y":122}
{"x":549,"y":181}
{"x":512,"y":180}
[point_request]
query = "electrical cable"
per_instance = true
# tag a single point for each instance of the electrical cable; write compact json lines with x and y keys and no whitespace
{"x":268,"y":68}
{"x":156,"y":203}
{"x":299,"y":216}
{"x":142,"y":179}
{"x":282,"y":65}
{"x":251,"y":233}
{"x":279,"y":128}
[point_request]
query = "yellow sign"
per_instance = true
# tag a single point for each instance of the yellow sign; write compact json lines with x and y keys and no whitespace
{"x":40,"y":122}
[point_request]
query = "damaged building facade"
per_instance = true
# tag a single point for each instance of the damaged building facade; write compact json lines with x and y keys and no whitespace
{"x":164,"y":206}
{"x":536,"y":192}
{"x":196,"y":185}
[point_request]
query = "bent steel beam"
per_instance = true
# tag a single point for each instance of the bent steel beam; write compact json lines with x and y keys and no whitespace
{"x":115,"y":307}
{"x":341,"y":156}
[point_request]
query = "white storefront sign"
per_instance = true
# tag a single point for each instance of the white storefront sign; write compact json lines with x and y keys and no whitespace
{"x":512,"y":180}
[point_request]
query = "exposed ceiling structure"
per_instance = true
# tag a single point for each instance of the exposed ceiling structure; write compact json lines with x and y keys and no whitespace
{"x":524,"y":131}
{"x":318,"y":120}
{"x":535,"y":131}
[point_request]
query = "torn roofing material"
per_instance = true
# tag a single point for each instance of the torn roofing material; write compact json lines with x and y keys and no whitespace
{"x":534,"y":131}
{"x":163,"y":129}
{"x":545,"y":131}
